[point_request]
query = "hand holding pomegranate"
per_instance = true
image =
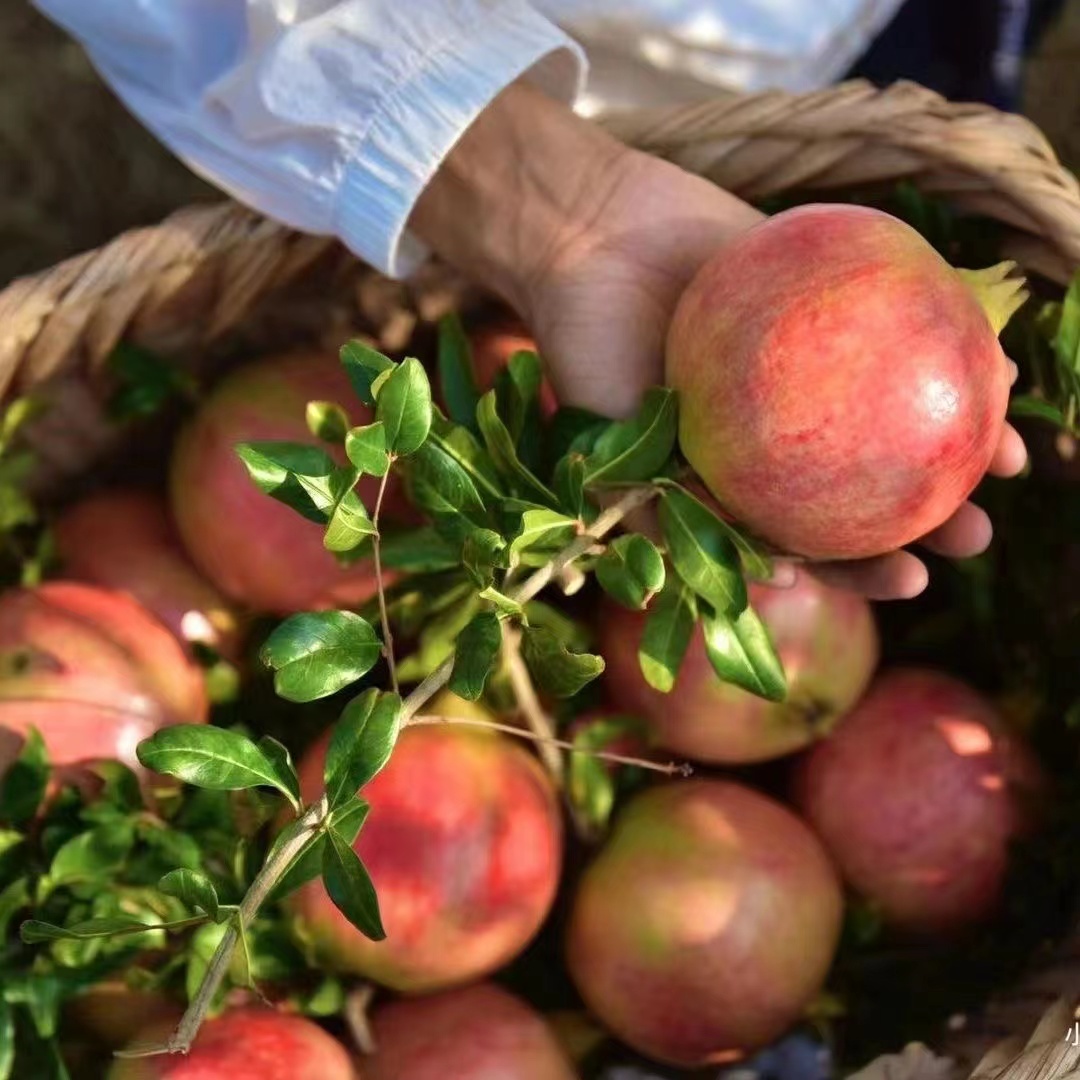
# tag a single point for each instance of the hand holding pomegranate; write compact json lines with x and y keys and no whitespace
{"x":595,"y":244}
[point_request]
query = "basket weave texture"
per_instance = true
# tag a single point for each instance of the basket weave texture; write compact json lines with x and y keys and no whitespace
{"x":215,"y":277}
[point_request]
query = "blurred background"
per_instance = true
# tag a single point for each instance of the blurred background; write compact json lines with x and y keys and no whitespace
{"x":76,"y":168}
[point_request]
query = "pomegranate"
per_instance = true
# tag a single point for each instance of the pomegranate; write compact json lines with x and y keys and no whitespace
{"x":477,"y":1033}
{"x":93,"y":671}
{"x":257,"y":551}
{"x":826,"y":639}
{"x":706,"y":924}
{"x":917,"y":795}
{"x":492,"y":348}
{"x":464,"y":846}
{"x":115,"y":1014}
{"x":841,"y":387}
{"x":243,"y":1044}
{"x":125,"y":540}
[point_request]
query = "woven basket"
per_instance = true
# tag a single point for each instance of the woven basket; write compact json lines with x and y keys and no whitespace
{"x":215,"y":282}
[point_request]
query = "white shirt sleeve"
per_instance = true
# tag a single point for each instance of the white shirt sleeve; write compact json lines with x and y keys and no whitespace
{"x":328,"y":115}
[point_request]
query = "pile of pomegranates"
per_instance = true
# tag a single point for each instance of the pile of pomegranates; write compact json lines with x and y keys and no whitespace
{"x":841,"y":391}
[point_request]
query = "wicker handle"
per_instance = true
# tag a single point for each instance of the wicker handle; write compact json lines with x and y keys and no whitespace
{"x":199,"y":274}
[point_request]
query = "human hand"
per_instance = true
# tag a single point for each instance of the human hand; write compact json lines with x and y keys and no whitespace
{"x":593,"y":244}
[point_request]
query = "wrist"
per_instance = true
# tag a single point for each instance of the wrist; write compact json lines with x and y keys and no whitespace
{"x":524,"y":185}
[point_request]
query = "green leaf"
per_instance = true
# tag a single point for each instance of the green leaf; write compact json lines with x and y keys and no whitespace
{"x":315,"y":654}
{"x":1067,"y":338}
{"x":475,"y":655}
{"x":15,"y":897}
{"x":347,"y":821}
{"x":483,"y":552}
{"x":418,"y":550}
{"x":95,"y":855}
{"x":193,"y":889}
{"x":668,"y":629}
{"x":41,"y":994}
{"x":366,"y":448}
{"x":440,"y":485}
{"x":631,"y":570}
{"x":350,"y":887}
{"x":505,"y":605}
{"x":15,"y":414}
{"x":361,"y":744}
{"x":755,"y":562}
{"x":637,"y":449}
{"x":456,"y":376}
{"x":501,"y":446}
{"x":569,"y":483}
{"x":212,"y":757}
{"x":16,"y":508}
{"x":1038,"y":408}
{"x":278,"y":755}
{"x":404,"y":407}
{"x":470,"y":454}
{"x":556,"y":669}
{"x":591,"y":780}
{"x":545,"y":530}
{"x":364,"y":365}
{"x":120,"y":786}
{"x":145,"y":381}
{"x":573,"y":634}
{"x":297,"y":475}
{"x":327,"y":421}
{"x":517,"y":391}
{"x":741,"y":652}
{"x":23,"y":785}
{"x":7,"y":1040}
{"x":438,"y":638}
{"x":702,"y":552}
{"x":575,"y":431}
{"x":349,"y":525}
{"x":34,"y":932}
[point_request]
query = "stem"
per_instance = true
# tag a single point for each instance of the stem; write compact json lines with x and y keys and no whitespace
{"x":534,"y":584}
{"x":376,"y":544}
{"x":268,"y":877}
{"x":529,"y":704}
{"x":671,"y":768}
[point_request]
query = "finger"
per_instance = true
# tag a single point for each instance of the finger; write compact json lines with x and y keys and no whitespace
{"x":1014,"y":372}
{"x":897,"y":576}
{"x":1010,"y":457}
{"x":968,"y":532}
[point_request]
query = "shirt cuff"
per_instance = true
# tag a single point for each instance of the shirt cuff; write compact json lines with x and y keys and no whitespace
{"x":421,"y":118}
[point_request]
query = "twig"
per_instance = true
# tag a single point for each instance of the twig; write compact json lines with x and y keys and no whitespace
{"x":264,"y":883}
{"x":376,"y":545}
{"x":529,"y":704}
{"x":535,"y":584}
{"x":671,"y":768}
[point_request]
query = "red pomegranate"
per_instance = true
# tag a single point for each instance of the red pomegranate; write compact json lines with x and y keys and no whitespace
{"x":706,"y":924}
{"x":917,"y":795}
{"x":492,"y":347}
{"x":826,"y":639}
{"x":258,"y":551}
{"x":841,"y":387}
{"x":464,"y":846}
{"x":477,"y":1033}
{"x":243,"y":1044}
{"x":92,"y":670}
{"x":125,"y":540}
